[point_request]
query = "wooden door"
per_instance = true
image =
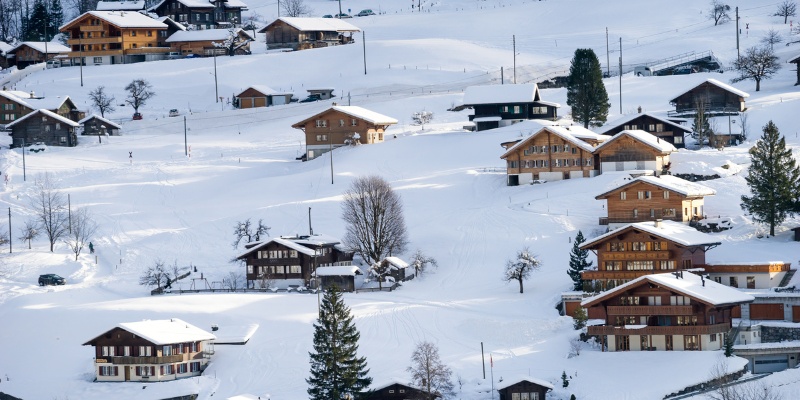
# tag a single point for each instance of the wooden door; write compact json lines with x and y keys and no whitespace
{"x":127,"y":372}
{"x":795,"y":313}
{"x":260,"y":102}
{"x":768,"y":311}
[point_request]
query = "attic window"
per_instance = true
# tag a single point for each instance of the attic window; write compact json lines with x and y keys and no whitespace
{"x":44,"y":119}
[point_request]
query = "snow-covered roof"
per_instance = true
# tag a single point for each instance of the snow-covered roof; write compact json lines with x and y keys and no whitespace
{"x":687,"y":283}
{"x":396,"y":262}
{"x":52,"y":47}
{"x":348,"y":270}
{"x":560,"y":131}
{"x":316,"y":24}
{"x":203,"y":35}
{"x":623,"y":119}
{"x":789,"y":344}
{"x":795,"y":59}
{"x":47,"y":113}
{"x":245,"y":396}
{"x":99,"y":118}
{"x":120,"y":19}
{"x":645,"y":137}
{"x":487,"y":119}
{"x":669,"y":182}
{"x":235,"y":4}
{"x":718,"y":84}
{"x":673,"y":231}
{"x":165,"y":331}
{"x":492,"y":94}
{"x":263,"y":89}
{"x":298,"y":243}
{"x":131,"y":5}
{"x":317,"y":240}
{"x":507,"y":382}
{"x":5,"y":47}
{"x":367,"y":115}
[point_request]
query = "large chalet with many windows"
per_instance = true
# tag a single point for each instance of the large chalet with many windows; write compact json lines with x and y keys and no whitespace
{"x":710,"y":96}
{"x":151,"y":351}
{"x":501,"y":105}
{"x":341,"y":126}
{"x":667,"y":311}
{"x":15,"y":104}
{"x":202,"y":14}
{"x":664,"y":129}
{"x":291,"y":260}
{"x":634,"y":150}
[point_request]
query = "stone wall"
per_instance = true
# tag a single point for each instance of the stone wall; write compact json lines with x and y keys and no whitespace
{"x":772,"y":334}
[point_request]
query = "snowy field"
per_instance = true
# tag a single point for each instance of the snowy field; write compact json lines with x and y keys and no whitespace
{"x":160,"y":204}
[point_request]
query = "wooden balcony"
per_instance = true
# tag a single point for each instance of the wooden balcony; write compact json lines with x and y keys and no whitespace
{"x":627,"y":218}
{"x":660,"y":330}
{"x":128,"y":360}
{"x":742,"y":268}
{"x":627,"y":275}
{"x":78,"y":54}
{"x":99,"y":40}
{"x":148,"y":50}
{"x":92,"y":28}
{"x":635,"y":255}
{"x":649,"y":310}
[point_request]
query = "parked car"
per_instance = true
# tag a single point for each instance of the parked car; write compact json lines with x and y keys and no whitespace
{"x":311,"y":98}
{"x":343,"y":15}
{"x":174,"y":112}
{"x":137,"y":116}
{"x":37,"y":147}
{"x":53,"y":64}
{"x":327,"y":16}
{"x":51,"y":279}
{"x":174,"y":55}
{"x":364,"y":13}
{"x":192,"y":55}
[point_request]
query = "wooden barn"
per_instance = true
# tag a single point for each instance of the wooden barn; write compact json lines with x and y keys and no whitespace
{"x":341,"y":276}
{"x":298,"y":33}
{"x":210,"y":42}
{"x":261,"y":96}
{"x":28,"y":53}
{"x":341,"y":126}
{"x":714,"y":96}
{"x":43,"y":126}
{"x":99,"y":126}
{"x":395,"y":390}
{"x":518,"y":388}
{"x":662,"y":128}
{"x":634,"y":150}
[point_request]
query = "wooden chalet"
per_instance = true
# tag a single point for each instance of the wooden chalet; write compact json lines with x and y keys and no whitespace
{"x":298,"y":33}
{"x":340,"y":126}
{"x":664,"y":129}
{"x":261,"y":96}
{"x":716,"y":97}
{"x":4,"y":60}
{"x":210,"y":42}
{"x":796,"y":61}
{"x":667,"y":311}
{"x":343,"y":277}
{"x":399,"y":270}
{"x":748,"y":275}
{"x":28,"y":53}
{"x":650,"y":198}
{"x":397,"y":391}
{"x":115,"y":37}
{"x":322,"y":93}
{"x":291,"y":260}
{"x":634,"y":150}
{"x":16,"y":104}
{"x":645,"y":248}
{"x":43,"y":126}
{"x":121,"y":5}
{"x":525,"y":387}
{"x":202,"y":14}
{"x":501,"y":105}
{"x":98,"y":126}
{"x":151,"y":351}
{"x":552,"y":153}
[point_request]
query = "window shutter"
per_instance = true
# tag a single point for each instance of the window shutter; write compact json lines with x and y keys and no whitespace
{"x":161,"y":370}
{"x":152,"y":370}
{"x":138,"y":371}
{"x":116,"y":371}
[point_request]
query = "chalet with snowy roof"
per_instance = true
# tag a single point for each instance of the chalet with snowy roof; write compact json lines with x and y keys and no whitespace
{"x":28,"y":53}
{"x":15,"y":104}
{"x":796,"y":61}
{"x":523,"y":387}
{"x":398,"y":269}
{"x":211,"y":42}
{"x":151,"y":351}
{"x":552,"y":153}
{"x":261,"y":96}
{"x":43,"y":126}
{"x":666,"y":311}
{"x":4,"y":48}
{"x":662,"y":128}
{"x":645,"y":248}
{"x":298,"y":33}
{"x":748,"y":274}
{"x":340,"y":126}
{"x":99,"y":126}
{"x":634,"y":150}
{"x":343,"y":277}
{"x":291,"y":260}
{"x":650,"y":198}
{"x":716,"y":98}
{"x":121,"y":5}
{"x":115,"y":37}
{"x":501,"y":105}
{"x":396,"y":390}
{"x":202,"y":14}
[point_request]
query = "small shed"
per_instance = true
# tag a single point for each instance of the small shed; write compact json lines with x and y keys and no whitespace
{"x":394,"y":390}
{"x":261,"y":96}
{"x":523,"y":388}
{"x":298,"y":33}
{"x":714,"y":96}
{"x":796,"y":61}
{"x":97,"y":125}
{"x":341,"y":276}
{"x":399,"y":269}
{"x":796,"y":234}
{"x":324,"y":93}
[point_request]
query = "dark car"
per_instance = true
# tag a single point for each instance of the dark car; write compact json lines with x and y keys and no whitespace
{"x":51,"y":279}
{"x":343,"y":15}
{"x":365,"y":13}
{"x":137,"y":116}
{"x":327,"y":16}
{"x":311,"y":98}
{"x":192,"y":55}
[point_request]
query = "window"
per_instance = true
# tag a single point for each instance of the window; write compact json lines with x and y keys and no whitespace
{"x":678,"y":139}
{"x":293,"y":253}
{"x":623,"y":342}
{"x":145,"y":371}
{"x":108,"y":351}
{"x":341,"y":123}
{"x":279,"y":269}
{"x":629,"y":300}
{"x":667,"y":264}
{"x":539,"y":110}
{"x":322,"y":138}
{"x":145,"y":351}
{"x":718,"y":279}
{"x":687,"y":320}
{"x":679,"y":301}
{"x":322,"y":123}
{"x":133,"y":33}
{"x":623,"y":195}
{"x":659,"y":127}
{"x":555,"y":148}
{"x":644,"y":342}
{"x":668,"y":212}
{"x":194,"y":367}
{"x":617,"y":246}
{"x":635,"y":213}
{"x":651,"y":127}
{"x":180,"y":348}
{"x":98,"y":60}
{"x":653,"y":300}
{"x":687,"y":264}
{"x":638,"y":246}
{"x":353,"y":122}
{"x":516,"y":109}
{"x":126,"y":351}
{"x":613,"y":265}
{"x":249,"y":269}
{"x":108,"y":371}
{"x":644,"y":194}
{"x":751,"y":282}
{"x":566,"y":148}
{"x":690,"y":342}
{"x":639,"y":265}
{"x":58,"y":125}
{"x":734,"y":282}
{"x":294,"y":269}
{"x":512,"y":164}
{"x":713,"y":338}
{"x":183,"y":368}
{"x":668,"y":339}
{"x":666,"y":194}
{"x":47,"y":128}
{"x":166,"y":351}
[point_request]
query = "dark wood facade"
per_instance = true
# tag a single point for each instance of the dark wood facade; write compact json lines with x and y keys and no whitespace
{"x":489,"y":116}
{"x":398,"y":391}
{"x":189,"y":42}
{"x":630,"y":150}
{"x":338,"y":126}
{"x":664,"y":129}
{"x":796,"y":62}
{"x":715,"y":96}
{"x":641,"y":200}
{"x":29,"y":53}
{"x":284,"y":33}
{"x":45,"y":127}
{"x":15,"y":105}
{"x":524,"y":389}
{"x":218,"y":13}
{"x":97,"y":125}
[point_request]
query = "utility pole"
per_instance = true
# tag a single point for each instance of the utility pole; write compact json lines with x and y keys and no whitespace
{"x":514,"y":47}
{"x":330,"y":150}
{"x":69,"y":213}
{"x":737,"y":33}
{"x":9,"y":231}
{"x":310,"y":231}
{"x":340,"y":10}
{"x":502,"y":79}
{"x":608,"y":58}
{"x":483,"y":362}
{"x":364,"y":42}
{"x":216,"y":87}
{"x":80,"y":60}
{"x":185,"y":141}
{"x":620,"y":76}
{"x":23,"y":164}
{"x":279,"y":8}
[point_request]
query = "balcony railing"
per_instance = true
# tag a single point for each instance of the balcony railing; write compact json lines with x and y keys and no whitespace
{"x":625,"y":218}
{"x":97,"y":53}
{"x":99,"y":40}
{"x":627,"y":275}
{"x":148,"y":50}
{"x":632,"y":255}
{"x":649,"y":310}
{"x":126,"y":360}
{"x":92,"y":28}
{"x":660,"y":330}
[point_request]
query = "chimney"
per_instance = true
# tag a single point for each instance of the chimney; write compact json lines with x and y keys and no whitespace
{"x":657,"y":224}
{"x":702,"y":280}
{"x":639,"y":109}
{"x":33,"y":95}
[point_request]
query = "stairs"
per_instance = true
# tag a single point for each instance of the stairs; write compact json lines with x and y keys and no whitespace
{"x":787,"y":278}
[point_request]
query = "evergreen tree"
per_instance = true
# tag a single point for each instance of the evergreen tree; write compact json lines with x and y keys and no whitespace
{"x":586,"y":93}
{"x":579,"y":318}
{"x":701,"y":126}
{"x":336,"y":370}
{"x":37,"y":28}
{"x":577,"y":262}
{"x":56,"y":18}
{"x":728,"y":346}
{"x":564,"y":380}
{"x":773,"y":178}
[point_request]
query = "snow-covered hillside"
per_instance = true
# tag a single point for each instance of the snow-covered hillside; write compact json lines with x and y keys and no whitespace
{"x":160,"y":204}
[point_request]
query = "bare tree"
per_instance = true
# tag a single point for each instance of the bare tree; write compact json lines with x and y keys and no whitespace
{"x":81,"y":230}
{"x":244,"y":229}
{"x":266,"y":280}
{"x":772,"y":38}
{"x":744,"y":126}
{"x":139,"y":91}
{"x":295,"y":8}
{"x":575,"y":346}
{"x":155,"y":275}
{"x":51,"y":209}
{"x":4,"y":238}
{"x":29,"y":232}
{"x":102,"y":101}
{"x":429,"y":373}
{"x":380,"y":270}
{"x":786,"y":9}
{"x":234,"y":40}
{"x":421,"y":118}
{"x":233,"y":281}
{"x":726,"y":388}
{"x":81,"y":6}
{"x":373,"y":213}
{"x":251,"y":22}
{"x":719,"y":12}
{"x":521,"y":267}
{"x":421,"y":262}
{"x":756,"y":64}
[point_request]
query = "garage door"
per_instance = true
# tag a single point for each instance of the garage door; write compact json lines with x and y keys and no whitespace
{"x":260,"y":102}
{"x":278,"y":100}
{"x":773,"y":311}
{"x":765,"y":364}
{"x":246,"y":102}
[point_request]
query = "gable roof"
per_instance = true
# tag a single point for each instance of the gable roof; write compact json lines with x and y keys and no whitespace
{"x":492,"y":94}
{"x":129,"y":5}
{"x":675,"y":232}
{"x":396,"y":262}
{"x":47,"y":113}
{"x":560,"y":131}
{"x":718,"y":84}
{"x":5,"y":47}
{"x":669,"y":182}
{"x":645,"y":137}
{"x":171,"y":22}
{"x":204,"y":35}
{"x":299,"y":243}
{"x":692,"y":285}
{"x":315,"y":24}
{"x":106,"y":121}
{"x":624,"y":119}
{"x":795,"y":59}
{"x":356,"y":112}
{"x":344,"y":270}
{"x":263,"y":89}
{"x":507,"y":382}
{"x":120,"y":19}
{"x":52,"y":47}
{"x":164,"y":331}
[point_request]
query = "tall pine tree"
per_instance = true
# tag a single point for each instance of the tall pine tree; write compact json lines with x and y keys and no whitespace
{"x":586,"y":93}
{"x":37,"y":29}
{"x":578,"y":262}
{"x":336,"y":369}
{"x":773,"y":178}
{"x":56,"y":18}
